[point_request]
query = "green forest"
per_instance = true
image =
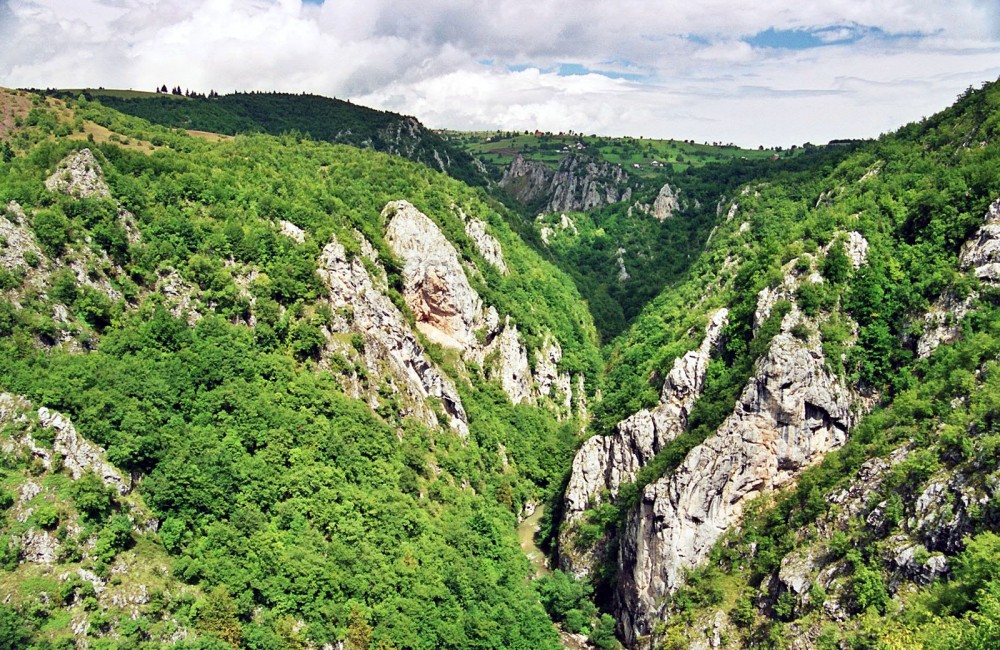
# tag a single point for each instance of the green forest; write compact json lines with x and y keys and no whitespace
{"x":277,"y":492}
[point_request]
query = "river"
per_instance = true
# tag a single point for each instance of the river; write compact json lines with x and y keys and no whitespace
{"x":526,"y":534}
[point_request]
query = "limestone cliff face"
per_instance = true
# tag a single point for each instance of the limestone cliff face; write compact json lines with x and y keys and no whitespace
{"x":665,"y":204}
{"x":792,"y":412}
{"x":488,"y":246}
{"x":981,"y":254}
{"x":450,"y":312}
{"x":78,"y":455}
{"x":604,"y":463}
{"x":509,"y":363}
{"x":390,"y":348}
{"x":436,"y":288}
{"x":578,"y":184}
{"x":79,"y":175}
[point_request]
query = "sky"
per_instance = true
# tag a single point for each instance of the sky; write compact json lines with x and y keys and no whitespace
{"x":769,"y":72}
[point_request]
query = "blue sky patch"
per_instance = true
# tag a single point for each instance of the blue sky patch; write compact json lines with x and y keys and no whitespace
{"x":803,"y":39}
{"x":313,"y":2}
{"x":619,"y":70}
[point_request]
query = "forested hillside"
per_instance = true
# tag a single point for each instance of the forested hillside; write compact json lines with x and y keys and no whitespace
{"x":302,"y":465}
{"x":321,"y":118}
{"x":269,"y":391}
{"x":817,"y":472}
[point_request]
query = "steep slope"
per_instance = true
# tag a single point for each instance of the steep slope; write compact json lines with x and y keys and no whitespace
{"x":257,"y":334}
{"x":322,"y":118}
{"x":834,"y":282}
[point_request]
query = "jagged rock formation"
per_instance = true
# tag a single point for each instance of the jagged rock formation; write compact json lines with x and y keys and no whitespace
{"x":604,"y":463}
{"x":179,"y":296}
{"x":510,"y":364}
{"x":487,"y":245}
{"x":579,"y":183}
{"x":78,"y":455}
{"x":547,"y":232}
{"x":981,"y":254}
{"x":389,"y":349}
{"x":79,"y":175}
{"x":942,"y":320}
{"x":21,"y":242}
{"x":666,"y":203}
{"x":436,"y":288}
{"x":792,"y":412}
{"x":450,"y":312}
{"x":290,"y":230}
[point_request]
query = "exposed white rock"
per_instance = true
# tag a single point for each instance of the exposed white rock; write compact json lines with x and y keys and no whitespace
{"x":942,"y":320}
{"x":856,"y":247}
{"x":18,"y":238}
{"x":579,"y":183}
{"x":436,"y":288}
{"x":79,"y":175}
{"x":389,"y":345}
{"x":39,"y":547}
{"x":981,"y":254}
{"x":488,"y":246}
{"x":80,"y":455}
{"x":509,"y":362}
{"x":565,"y":223}
{"x":179,"y":295}
{"x":18,"y":241}
{"x":290,"y":230}
{"x":872,"y":172}
{"x":607,"y":462}
{"x":623,"y":275}
{"x":665,"y":204}
{"x":792,"y":412}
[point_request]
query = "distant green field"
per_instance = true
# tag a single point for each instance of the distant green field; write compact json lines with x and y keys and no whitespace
{"x":121,"y":94}
{"x":641,"y":157}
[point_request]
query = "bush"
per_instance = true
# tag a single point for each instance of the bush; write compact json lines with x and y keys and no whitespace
{"x":92,"y":497}
{"x":52,"y":231}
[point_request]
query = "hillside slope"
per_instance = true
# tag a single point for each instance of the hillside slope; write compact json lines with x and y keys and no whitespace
{"x":335,"y":377}
{"x":796,"y":439}
{"x":321,"y":118}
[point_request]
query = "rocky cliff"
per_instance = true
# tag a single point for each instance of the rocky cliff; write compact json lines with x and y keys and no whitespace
{"x":604,"y":463}
{"x":578,"y":184}
{"x":389,"y":348}
{"x":448,"y":311}
{"x":791,"y":413}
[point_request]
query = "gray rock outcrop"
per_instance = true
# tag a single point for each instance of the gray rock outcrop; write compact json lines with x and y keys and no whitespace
{"x":981,"y":254}
{"x":580,"y":183}
{"x":792,"y":412}
{"x":436,"y":288}
{"x":450,"y":312}
{"x":390,"y":348}
{"x":486,"y":243}
{"x":604,"y":463}
{"x":79,"y":175}
{"x":78,"y":454}
{"x":509,"y":362}
{"x":665,"y":204}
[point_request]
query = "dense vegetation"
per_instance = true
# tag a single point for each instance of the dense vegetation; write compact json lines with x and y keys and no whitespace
{"x":915,"y":196}
{"x":658,"y":255}
{"x":291,"y":513}
{"x":300,"y":513}
{"x":321,"y":118}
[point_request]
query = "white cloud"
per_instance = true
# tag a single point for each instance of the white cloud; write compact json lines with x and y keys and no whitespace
{"x":697,"y":75}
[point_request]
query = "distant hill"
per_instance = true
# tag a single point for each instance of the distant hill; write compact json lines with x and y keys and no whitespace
{"x":321,"y":118}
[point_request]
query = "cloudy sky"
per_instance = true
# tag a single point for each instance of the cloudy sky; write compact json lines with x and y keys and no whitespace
{"x":772,"y":72}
